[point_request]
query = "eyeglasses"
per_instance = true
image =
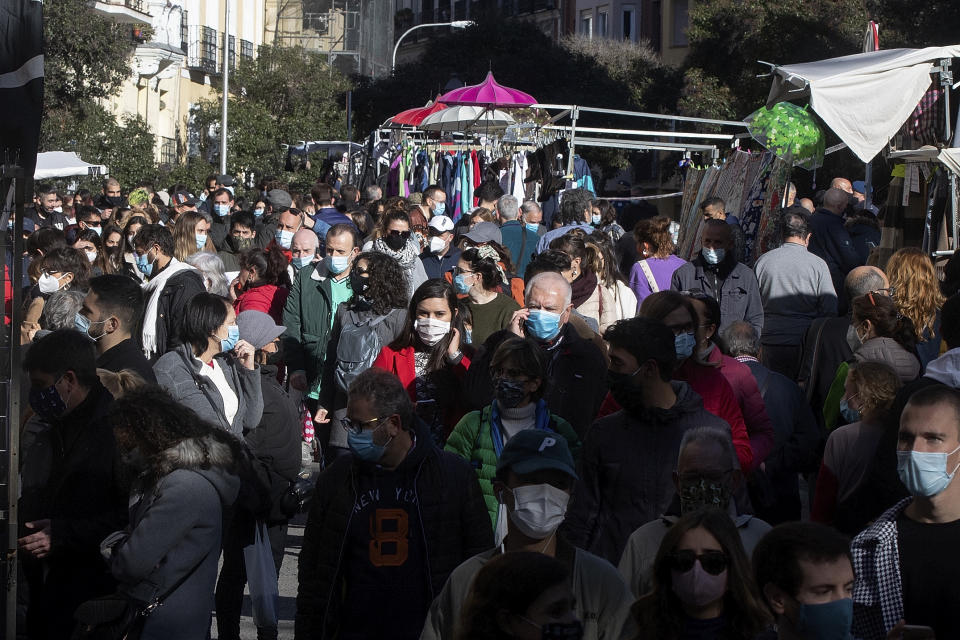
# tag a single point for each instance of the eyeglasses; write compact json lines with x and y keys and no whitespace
{"x":457,"y":271}
{"x":357,"y":426}
{"x":713,"y":562}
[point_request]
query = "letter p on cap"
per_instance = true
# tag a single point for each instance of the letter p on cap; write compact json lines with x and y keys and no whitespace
{"x":547,"y":442}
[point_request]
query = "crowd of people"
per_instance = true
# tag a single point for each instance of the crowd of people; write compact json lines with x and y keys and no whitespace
{"x":526,"y":427}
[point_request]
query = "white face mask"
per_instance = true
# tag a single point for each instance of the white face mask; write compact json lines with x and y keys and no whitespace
{"x":538,"y":509}
{"x":437,"y":244}
{"x":91,"y":255}
{"x":431,"y":331}
{"x":48,"y":284}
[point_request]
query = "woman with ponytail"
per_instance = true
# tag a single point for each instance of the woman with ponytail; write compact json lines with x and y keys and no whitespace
{"x":590,"y":298}
{"x":263,"y":283}
{"x":882,"y":334}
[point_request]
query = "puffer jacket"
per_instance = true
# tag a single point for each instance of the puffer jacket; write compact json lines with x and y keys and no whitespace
{"x":268,"y":298}
{"x":452,"y":522}
{"x":626,"y":472}
{"x":472,"y":440}
{"x":175,"y":529}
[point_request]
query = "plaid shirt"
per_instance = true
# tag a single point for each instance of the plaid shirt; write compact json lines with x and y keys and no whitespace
{"x":877,"y":594}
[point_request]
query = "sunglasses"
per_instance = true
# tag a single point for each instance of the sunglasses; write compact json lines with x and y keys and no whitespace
{"x":403,"y":234}
{"x":713,"y":562}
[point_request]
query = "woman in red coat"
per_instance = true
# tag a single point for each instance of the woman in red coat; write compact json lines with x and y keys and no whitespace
{"x":427,"y":357}
{"x":263,"y":283}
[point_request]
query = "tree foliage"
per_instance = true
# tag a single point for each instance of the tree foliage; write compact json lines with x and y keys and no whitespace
{"x":87,"y":59}
{"x":283,"y":96}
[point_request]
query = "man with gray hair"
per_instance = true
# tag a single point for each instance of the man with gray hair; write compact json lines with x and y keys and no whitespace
{"x":830,"y":341}
{"x":795,"y":288}
{"x":388,"y":524}
{"x":532,"y":217}
{"x":519,"y":240}
{"x":707,"y":474}
{"x":796,"y":435}
{"x":577,"y":366}
{"x":372,"y":193}
{"x":831,"y":240}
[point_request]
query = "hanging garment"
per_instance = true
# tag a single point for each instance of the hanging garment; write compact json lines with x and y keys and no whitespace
{"x":519,"y":173}
{"x":449,"y":187}
{"x":581,"y":173}
{"x":457,"y":187}
{"x":477,"y":176}
{"x":466,"y":192}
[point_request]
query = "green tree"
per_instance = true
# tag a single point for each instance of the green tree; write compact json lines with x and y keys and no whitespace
{"x":283,"y":96}
{"x":87,"y":59}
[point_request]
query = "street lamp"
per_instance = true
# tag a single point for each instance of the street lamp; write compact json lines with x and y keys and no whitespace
{"x":456,"y":24}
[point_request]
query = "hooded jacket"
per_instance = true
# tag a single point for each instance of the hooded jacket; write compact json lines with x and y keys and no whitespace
{"x":453,"y":523}
{"x":179,"y":373}
{"x":175,"y":528}
{"x":626,"y":472}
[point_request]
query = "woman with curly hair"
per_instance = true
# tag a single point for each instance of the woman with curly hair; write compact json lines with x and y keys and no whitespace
{"x":916,"y":290}
{"x":604,"y":219}
{"x":187,"y":478}
{"x":394,"y":238}
{"x":654,"y":271}
{"x":480,"y":276}
{"x":263,"y":282}
{"x":427,"y":357}
{"x":374,"y":317}
{"x":516,"y":596}
{"x":869,"y":391}
{"x":191,"y":235}
{"x":703,"y":585}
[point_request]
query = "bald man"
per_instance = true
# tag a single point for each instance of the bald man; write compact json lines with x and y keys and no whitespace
{"x":830,"y":341}
{"x":830,"y":239}
{"x":843,"y":185}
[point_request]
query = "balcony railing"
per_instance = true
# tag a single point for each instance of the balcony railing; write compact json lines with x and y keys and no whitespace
{"x":168,"y":150}
{"x":129,"y":11}
{"x":202,"y":53}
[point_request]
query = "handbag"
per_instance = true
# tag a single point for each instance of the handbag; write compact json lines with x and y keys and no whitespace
{"x":296,"y":499}
{"x":262,"y":578}
{"x":118,"y":616}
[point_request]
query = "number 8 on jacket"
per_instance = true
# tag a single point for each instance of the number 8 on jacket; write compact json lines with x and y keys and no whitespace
{"x":388,"y":530}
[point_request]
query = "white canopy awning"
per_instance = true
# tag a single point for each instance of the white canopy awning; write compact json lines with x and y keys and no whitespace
{"x":62,"y":164}
{"x":865,"y":98}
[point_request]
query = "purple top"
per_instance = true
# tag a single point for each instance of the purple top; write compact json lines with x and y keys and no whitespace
{"x":662,"y":269}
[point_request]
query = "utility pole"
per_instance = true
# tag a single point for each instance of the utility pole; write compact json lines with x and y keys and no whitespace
{"x":226,"y":86}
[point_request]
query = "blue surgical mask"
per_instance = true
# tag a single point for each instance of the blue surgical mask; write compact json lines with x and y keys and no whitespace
{"x":683,"y":344}
{"x":543,"y":325}
{"x":258,"y":213}
{"x":222,"y":210}
{"x":362,"y":445}
{"x":284,"y":238}
{"x":533,"y":226}
{"x":301,"y":262}
{"x":146,"y":268}
{"x":924,"y":473}
{"x":81,"y":323}
{"x":827,"y":621}
{"x":440,"y":209}
{"x":849,"y":414}
{"x":201,"y":239}
{"x":97,"y":230}
{"x":459,"y":284}
{"x":595,"y":219}
{"x":337,"y":264}
{"x":233,"y":334}
{"x":713,"y":256}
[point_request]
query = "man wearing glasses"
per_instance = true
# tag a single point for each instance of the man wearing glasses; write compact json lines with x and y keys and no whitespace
{"x":388,"y":523}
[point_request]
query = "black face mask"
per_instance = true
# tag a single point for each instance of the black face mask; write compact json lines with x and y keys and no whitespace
{"x":396,"y":241}
{"x":509,"y":393}
{"x":624,"y":392}
{"x":114,"y":201}
{"x":275,"y":359}
{"x":359,"y":284}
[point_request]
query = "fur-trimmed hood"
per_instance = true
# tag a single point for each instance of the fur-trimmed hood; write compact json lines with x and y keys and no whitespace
{"x":209,"y":457}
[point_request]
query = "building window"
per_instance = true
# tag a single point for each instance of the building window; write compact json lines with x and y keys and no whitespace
{"x":246,"y":50}
{"x":232,"y":52}
{"x":208,"y":49}
{"x":681,"y":20}
{"x":168,"y":150}
{"x":629,"y":24}
{"x":184,"y":32}
{"x":602,"y":20}
{"x":586,"y":23}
